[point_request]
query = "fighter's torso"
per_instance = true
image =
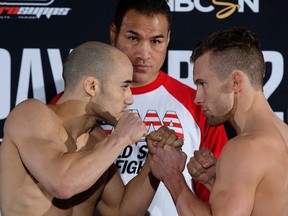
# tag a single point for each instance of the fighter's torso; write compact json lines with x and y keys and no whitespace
{"x":22,"y":194}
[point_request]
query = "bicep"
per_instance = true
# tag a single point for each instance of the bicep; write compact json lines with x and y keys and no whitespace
{"x":237,"y":178}
{"x":36,"y":138}
{"x":231,"y":200}
{"x":113,"y":193}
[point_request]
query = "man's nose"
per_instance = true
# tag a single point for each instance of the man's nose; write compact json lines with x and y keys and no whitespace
{"x":129,"y":98}
{"x":144,"y":50}
{"x":198,"y":98}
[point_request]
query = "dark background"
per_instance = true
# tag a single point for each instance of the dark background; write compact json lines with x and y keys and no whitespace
{"x":89,"y":20}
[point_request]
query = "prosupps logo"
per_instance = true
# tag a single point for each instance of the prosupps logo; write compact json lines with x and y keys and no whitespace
{"x":17,"y":9}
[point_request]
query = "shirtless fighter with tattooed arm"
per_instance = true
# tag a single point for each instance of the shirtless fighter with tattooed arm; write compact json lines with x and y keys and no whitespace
{"x":54,"y":159}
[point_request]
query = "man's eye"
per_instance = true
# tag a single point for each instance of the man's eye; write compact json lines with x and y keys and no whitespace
{"x":156,"y":41}
{"x":133,"y":38}
{"x":125,"y":87}
{"x":202,"y":84}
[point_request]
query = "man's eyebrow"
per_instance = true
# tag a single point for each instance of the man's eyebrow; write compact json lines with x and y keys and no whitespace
{"x":198,"y":81}
{"x":127,"y":81}
{"x":155,"y":37}
{"x":133,"y":32}
{"x":159,"y":36}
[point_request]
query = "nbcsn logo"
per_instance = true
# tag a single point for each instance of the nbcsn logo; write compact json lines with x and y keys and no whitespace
{"x":227,"y":8}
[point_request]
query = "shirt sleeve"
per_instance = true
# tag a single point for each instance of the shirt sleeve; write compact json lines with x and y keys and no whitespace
{"x":56,"y":98}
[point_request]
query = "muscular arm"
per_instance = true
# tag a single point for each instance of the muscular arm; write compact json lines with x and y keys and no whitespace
{"x":49,"y":156}
{"x":131,"y":199}
{"x":239,"y":172}
{"x":167,"y":165}
{"x":234,"y":189}
{"x":136,"y":196}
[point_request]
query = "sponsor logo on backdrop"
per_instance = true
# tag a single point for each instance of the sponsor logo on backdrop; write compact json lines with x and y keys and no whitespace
{"x":18,"y":9}
{"x":27,"y":2}
{"x":223,"y":8}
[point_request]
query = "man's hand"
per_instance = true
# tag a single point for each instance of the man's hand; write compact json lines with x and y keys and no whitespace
{"x":131,"y":127}
{"x":202,"y":167}
{"x":163,"y":136}
{"x":167,"y":162}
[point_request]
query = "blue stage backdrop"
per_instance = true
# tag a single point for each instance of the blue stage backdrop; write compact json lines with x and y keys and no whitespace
{"x":36,"y":37}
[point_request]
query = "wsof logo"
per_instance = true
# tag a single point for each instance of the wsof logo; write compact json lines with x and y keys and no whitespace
{"x":30,"y":9}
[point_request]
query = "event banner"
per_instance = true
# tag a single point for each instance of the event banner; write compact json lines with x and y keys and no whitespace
{"x":37,"y":36}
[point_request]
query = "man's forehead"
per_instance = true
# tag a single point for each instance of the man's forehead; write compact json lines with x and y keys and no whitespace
{"x":133,"y":17}
{"x":123,"y":70}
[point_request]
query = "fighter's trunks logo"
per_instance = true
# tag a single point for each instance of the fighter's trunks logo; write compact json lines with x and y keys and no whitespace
{"x":27,"y":2}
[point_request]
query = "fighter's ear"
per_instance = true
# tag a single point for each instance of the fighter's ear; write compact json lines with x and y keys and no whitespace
{"x":168,"y":37}
{"x":91,"y":85}
{"x":237,"y":79}
{"x":113,"y":34}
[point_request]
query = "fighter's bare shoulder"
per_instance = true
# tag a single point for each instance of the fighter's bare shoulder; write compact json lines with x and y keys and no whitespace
{"x":30,"y":116}
{"x":247,"y":152}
